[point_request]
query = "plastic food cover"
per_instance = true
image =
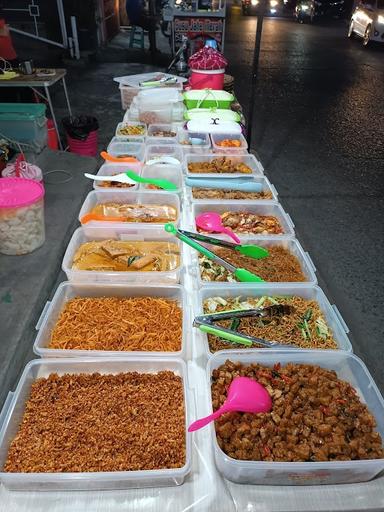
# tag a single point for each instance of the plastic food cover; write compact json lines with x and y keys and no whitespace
{"x":207,"y":58}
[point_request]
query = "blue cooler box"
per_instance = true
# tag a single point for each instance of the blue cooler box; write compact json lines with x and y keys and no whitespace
{"x":25,"y":123}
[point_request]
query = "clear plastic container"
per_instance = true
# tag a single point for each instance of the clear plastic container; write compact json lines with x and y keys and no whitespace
{"x":267,"y":187}
{"x":67,"y":291}
{"x":79,"y":237}
{"x":160,"y":95}
{"x":142,"y":197}
{"x":95,"y":480}
{"x":291,"y":244}
{"x":190,"y":142}
{"x":249,"y":160}
{"x":166,"y":149}
{"x":131,"y":125}
{"x":218,"y":138}
{"x":258,"y":208}
{"x":307,"y":291}
{"x":349,"y":368}
{"x":155,"y":114}
{"x":119,"y":149}
{"x":25,"y":123}
{"x":111,"y":169}
{"x":122,"y":139}
{"x":168,"y":172}
{"x":152,"y":138}
{"x":22,"y":228}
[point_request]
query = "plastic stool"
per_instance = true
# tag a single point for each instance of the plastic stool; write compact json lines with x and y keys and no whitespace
{"x":136,"y":39}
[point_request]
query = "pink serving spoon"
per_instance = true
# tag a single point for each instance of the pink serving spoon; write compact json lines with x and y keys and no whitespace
{"x":211,"y":222}
{"x":244,"y":395}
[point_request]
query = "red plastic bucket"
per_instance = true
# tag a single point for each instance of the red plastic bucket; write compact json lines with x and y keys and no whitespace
{"x":87,"y":147}
{"x":207,"y":79}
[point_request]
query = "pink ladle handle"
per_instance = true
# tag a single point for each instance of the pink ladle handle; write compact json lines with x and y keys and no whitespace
{"x":230,"y":233}
{"x":198,"y":424}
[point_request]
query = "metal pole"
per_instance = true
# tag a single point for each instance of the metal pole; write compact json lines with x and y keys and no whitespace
{"x":75,"y":37}
{"x":255,"y":67}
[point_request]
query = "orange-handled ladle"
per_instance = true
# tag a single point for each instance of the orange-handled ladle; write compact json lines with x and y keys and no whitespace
{"x":118,"y":159}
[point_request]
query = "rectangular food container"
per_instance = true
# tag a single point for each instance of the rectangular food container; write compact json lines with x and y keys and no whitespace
{"x":259,"y":208}
{"x":307,"y":291}
{"x":126,"y":196}
{"x":163,"y":151}
{"x":155,"y":139}
{"x":249,"y":160}
{"x":184,"y":138}
{"x":25,"y":123}
{"x":349,"y":368}
{"x":267,"y":186}
{"x":168,"y":172}
{"x":156,"y":113}
{"x":208,"y":98}
{"x":110,"y":169}
{"x":133,"y":124}
{"x":118,"y":148}
{"x":92,"y":480}
{"x":80,"y":237}
{"x":291,"y":244}
{"x":217,"y":138}
{"x":67,"y":291}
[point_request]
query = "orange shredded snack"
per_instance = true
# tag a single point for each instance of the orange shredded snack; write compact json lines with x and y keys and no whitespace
{"x":119,"y":323}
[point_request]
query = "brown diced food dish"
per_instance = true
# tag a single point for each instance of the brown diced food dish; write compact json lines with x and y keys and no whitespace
{"x":305,"y":326}
{"x":93,"y":422}
{"x":245,"y":222}
{"x":280,"y":266}
{"x":214,"y":193}
{"x":163,"y":133}
{"x":224,"y":165}
{"x":315,"y":417}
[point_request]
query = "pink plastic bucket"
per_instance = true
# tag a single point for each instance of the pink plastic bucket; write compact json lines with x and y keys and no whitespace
{"x":207,"y":79}
{"x":87,"y":147}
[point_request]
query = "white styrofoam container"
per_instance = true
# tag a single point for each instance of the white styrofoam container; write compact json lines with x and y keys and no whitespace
{"x":110,"y":169}
{"x":307,"y":291}
{"x":130,"y":123}
{"x":67,"y":291}
{"x":291,"y":244}
{"x":260,"y":208}
{"x":136,"y":149}
{"x":168,"y":172}
{"x":124,"y":196}
{"x":218,"y":137}
{"x":247,"y":159}
{"x":92,"y":480}
{"x":266,"y":187}
{"x":349,"y":368}
{"x":79,"y":237}
{"x":194,"y":149}
{"x":163,"y":149}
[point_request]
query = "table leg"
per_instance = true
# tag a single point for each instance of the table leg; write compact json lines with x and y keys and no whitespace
{"x":53,"y":115}
{"x":66,"y":97}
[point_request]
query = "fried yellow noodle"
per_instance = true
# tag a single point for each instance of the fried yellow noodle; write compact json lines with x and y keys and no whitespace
{"x":114,"y":323}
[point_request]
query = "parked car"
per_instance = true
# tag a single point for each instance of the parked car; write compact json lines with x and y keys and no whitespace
{"x":249,"y":7}
{"x":367,"y":21}
{"x":305,"y":11}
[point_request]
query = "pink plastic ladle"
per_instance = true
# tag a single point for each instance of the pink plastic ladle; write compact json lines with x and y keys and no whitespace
{"x":211,"y":222}
{"x":244,"y":395}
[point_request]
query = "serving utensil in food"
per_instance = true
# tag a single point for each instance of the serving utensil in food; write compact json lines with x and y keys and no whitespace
{"x":252,"y":251}
{"x":225,"y":184}
{"x":242,"y":274}
{"x":206,"y":323}
{"x":211,"y":222}
{"x":244,"y":395}
{"x":132,"y":178}
{"x":118,"y":159}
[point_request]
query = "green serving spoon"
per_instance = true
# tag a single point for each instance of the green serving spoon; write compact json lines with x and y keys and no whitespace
{"x":164,"y":184}
{"x":242,"y":274}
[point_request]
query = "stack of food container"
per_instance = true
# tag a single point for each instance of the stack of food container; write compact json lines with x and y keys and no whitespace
{"x":111,"y":398}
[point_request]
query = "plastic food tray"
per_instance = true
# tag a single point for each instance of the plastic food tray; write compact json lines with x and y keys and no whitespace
{"x":250,"y":160}
{"x":168,"y":172}
{"x":218,"y":137}
{"x":153,"y":128}
{"x":126,"y":196}
{"x":95,"y":480}
{"x":266,"y":187}
{"x":208,"y":98}
{"x":349,"y":368}
{"x":163,"y":149}
{"x":110,"y":169}
{"x":156,"y":113}
{"x":294,"y":247}
{"x":194,"y":149}
{"x":118,"y":148}
{"x":67,"y":291}
{"x":130,"y":123}
{"x":260,"y":208}
{"x":308,"y":291}
{"x":115,"y":277}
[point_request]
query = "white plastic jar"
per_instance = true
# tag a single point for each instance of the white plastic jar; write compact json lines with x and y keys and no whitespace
{"x":21,"y":216}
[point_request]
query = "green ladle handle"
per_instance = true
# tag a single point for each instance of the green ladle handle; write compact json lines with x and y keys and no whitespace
{"x":225,"y":335}
{"x":170,"y":228}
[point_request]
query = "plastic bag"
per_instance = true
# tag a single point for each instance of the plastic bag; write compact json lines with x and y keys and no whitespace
{"x":80,"y":127}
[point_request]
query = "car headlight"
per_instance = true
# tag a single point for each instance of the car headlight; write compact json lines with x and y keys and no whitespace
{"x":273,"y":3}
{"x":380,"y":19}
{"x":304,"y":7}
{"x":254,"y":2}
